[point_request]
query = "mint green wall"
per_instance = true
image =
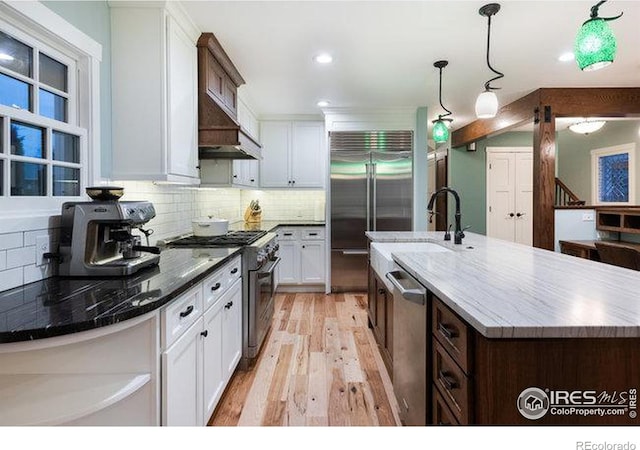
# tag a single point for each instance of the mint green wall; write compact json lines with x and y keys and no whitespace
{"x":93,"y":18}
{"x":574,"y":154}
{"x":467,"y":175}
{"x":420,"y":172}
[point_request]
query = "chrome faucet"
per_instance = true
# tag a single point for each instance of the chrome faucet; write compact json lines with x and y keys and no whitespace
{"x":459,"y":232}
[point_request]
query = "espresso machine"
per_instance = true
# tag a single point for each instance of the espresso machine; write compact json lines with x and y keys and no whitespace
{"x":96,"y":238}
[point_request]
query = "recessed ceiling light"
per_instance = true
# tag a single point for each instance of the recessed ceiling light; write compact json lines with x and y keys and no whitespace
{"x":323,"y":58}
{"x":322,"y":103}
{"x":5,"y":57}
{"x":566,"y":56}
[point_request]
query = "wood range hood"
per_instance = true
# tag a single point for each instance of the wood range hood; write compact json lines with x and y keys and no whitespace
{"x":220,"y":135}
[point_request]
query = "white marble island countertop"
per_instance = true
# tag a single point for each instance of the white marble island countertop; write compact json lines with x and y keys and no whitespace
{"x":507,"y":290}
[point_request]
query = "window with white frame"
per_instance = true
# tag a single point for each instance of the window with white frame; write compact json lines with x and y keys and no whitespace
{"x":613,"y":175}
{"x":43,"y":147}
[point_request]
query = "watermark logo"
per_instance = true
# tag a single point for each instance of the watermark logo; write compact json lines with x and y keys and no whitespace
{"x":533,"y":403}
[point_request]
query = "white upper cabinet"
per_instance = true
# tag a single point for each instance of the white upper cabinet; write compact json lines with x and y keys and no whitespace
{"x":154,"y":80}
{"x":293,"y":154}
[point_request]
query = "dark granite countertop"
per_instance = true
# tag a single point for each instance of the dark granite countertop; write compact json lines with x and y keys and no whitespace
{"x":58,"y":306}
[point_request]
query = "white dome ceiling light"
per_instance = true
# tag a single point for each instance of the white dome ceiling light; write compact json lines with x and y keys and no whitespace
{"x":587,"y":126}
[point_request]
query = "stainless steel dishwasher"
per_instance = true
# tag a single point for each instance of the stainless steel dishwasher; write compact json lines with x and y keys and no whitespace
{"x":410,"y":347}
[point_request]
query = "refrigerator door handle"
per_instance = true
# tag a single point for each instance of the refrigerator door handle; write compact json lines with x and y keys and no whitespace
{"x":374,"y":198}
{"x":368,"y":176}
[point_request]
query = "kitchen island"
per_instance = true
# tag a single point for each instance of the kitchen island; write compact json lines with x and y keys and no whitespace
{"x":519,"y":335}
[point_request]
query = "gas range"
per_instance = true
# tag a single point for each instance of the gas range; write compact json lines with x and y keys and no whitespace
{"x":231,"y":239}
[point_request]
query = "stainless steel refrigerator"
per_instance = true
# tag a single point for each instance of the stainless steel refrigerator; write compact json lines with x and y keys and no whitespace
{"x":371,"y":190}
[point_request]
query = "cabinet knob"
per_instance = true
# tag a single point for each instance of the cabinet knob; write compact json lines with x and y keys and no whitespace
{"x":234,"y":271}
{"x":215,"y":287}
{"x":304,"y":246}
{"x":235,"y":176}
{"x":511,"y":214}
{"x":253,"y":180}
{"x":228,"y":305}
{"x":293,"y":182}
{"x":197,"y":167}
{"x":380,"y":291}
{"x":205,"y":333}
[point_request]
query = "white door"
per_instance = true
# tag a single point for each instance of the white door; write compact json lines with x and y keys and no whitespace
{"x":274,"y":166}
{"x":232,"y":329}
{"x":524,"y":199}
{"x":182,"y":95}
{"x":312,"y":262}
{"x":181,"y":379}
{"x":213,"y":373}
{"x":307,"y":155}
{"x":509,"y":194}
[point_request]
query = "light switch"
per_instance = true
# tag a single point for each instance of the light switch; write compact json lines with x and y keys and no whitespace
{"x":42,"y":247}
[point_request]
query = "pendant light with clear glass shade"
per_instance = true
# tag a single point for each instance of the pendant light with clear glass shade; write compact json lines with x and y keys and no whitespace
{"x":440,"y":126}
{"x":487,"y":102}
{"x":595,"y":45}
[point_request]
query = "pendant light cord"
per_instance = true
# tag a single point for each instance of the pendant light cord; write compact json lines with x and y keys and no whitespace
{"x":487,"y":85}
{"x":440,"y":98}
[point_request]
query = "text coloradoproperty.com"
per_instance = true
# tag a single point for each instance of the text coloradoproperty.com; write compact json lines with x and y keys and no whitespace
{"x":588,"y":445}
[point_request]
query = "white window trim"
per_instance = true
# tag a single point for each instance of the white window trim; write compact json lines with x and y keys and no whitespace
{"x":607,"y":151}
{"x":52,"y":30}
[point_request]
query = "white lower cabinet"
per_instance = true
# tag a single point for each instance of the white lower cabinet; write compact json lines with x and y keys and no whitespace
{"x":232,"y":330}
{"x":302,"y":255}
{"x":182,"y":379}
{"x":197,"y":367}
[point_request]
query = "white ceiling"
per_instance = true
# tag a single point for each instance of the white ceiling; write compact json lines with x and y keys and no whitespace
{"x":384,"y":51}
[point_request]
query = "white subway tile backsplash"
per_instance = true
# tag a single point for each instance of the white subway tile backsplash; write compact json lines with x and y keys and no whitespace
{"x":175,"y":207}
{"x":34,"y":273}
{"x":19,"y":257}
{"x":11,"y":278}
{"x":11,"y":240}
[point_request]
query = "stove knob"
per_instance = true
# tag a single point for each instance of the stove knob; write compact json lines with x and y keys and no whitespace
{"x":276,"y":248}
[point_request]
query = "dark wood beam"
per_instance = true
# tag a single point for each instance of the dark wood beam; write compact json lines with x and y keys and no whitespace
{"x":586,"y":102}
{"x":544,"y":176}
{"x":513,"y":114}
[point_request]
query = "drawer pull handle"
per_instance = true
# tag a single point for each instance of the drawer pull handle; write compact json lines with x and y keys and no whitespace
{"x":449,"y":382}
{"x":228,"y":305}
{"x":215,"y":287}
{"x":446,"y":331}
{"x":380,"y":291}
{"x":205,"y":333}
{"x":187,"y":311}
{"x":235,"y":270}
{"x":313,"y":234}
{"x":288,"y":234}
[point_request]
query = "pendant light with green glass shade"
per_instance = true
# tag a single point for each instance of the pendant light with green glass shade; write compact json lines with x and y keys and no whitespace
{"x":595,"y":45}
{"x":440,"y":126}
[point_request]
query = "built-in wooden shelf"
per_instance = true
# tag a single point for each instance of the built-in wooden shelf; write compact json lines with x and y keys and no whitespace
{"x":56,"y":399}
{"x":621,"y":220}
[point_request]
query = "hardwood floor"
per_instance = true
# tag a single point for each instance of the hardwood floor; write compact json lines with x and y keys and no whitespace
{"x":319,"y":366}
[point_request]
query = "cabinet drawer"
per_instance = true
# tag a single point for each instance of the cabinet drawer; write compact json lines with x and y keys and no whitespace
{"x":233,"y":270}
{"x":287,"y":234}
{"x":218,"y":283}
{"x":442,"y":414}
{"x":452,"y":333}
{"x":180,"y":314}
{"x":452,"y":383}
{"x":312,"y":234}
